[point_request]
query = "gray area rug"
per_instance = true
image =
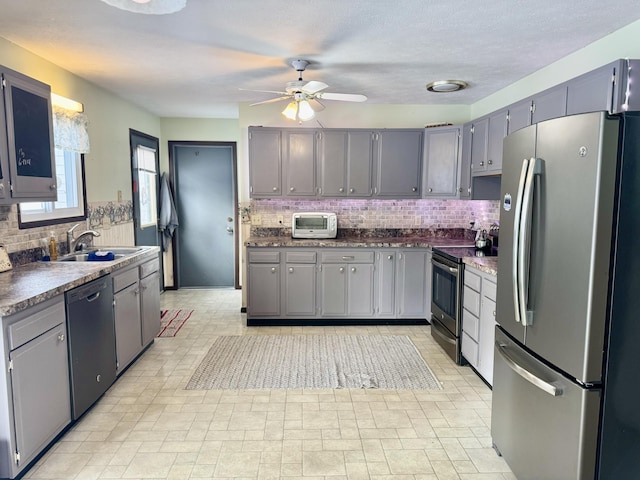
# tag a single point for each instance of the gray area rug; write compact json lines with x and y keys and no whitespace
{"x":313,"y":361}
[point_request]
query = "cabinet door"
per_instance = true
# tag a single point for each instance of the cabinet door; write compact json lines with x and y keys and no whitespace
{"x":5,"y":194}
{"x":480,"y":131}
{"x":30,"y":138}
{"x":360,"y":165}
{"x":360,"y":290}
{"x":332,"y":171}
{"x":495,"y":137}
{"x":128,"y":326}
{"x":464,"y":189}
{"x":441,"y":162}
{"x":487,"y":334}
{"x":399,"y":163}
{"x":40,"y":391}
{"x":265,"y":162}
{"x":386,"y":284}
{"x":264,"y":290}
{"x":333,"y":288}
{"x":591,"y":92}
{"x":549,"y":104}
{"x":300,"y":163}
{"x":150,"y":306}
{"x":300,"y":290}
{"x":413,"y":287}
{"x":519,"y":116}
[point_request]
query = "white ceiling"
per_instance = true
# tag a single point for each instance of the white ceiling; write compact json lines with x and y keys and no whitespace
{"x":192,"y":63}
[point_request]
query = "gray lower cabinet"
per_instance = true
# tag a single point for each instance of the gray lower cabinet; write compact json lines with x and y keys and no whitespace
{"x":478,"y":320}
{"x":346,"y":283}
{"x":136,"y":309}
{"x":306,"y":283}
{"x":35,"y":370}
{"x":441,"y":162}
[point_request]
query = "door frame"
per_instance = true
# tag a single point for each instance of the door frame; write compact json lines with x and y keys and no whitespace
{"x":234,"y":174}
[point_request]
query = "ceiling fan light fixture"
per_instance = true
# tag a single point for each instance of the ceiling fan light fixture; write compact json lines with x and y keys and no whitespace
{"x":305,"y":111}
{"x":446,"y":86}
{"x":291,"y":111}
{"x":148,"y":7}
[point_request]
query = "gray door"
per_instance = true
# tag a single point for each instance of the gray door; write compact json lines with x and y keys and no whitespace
{"x":206,"y":201}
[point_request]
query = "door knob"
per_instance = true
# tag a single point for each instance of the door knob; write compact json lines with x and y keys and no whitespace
{"x":229,"y":219}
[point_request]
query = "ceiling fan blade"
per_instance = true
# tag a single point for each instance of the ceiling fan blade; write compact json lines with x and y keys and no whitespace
{"x":263,"y":91}
{"x":315,"y":105}
{"x":344,"y":97}
{"x":313,"y":87}
{"x":273,"y":100}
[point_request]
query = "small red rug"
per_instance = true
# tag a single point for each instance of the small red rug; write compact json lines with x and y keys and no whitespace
{"x":171,"y":321}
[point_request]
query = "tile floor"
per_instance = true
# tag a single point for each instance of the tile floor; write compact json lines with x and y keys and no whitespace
{"x":147,"y":426}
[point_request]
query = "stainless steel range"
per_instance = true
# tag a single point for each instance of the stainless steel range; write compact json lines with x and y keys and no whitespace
{"x":446,"y":296}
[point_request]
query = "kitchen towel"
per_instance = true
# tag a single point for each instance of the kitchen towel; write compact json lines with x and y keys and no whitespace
{"x":168,"y":219}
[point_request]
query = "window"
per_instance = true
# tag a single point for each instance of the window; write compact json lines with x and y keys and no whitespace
{"x":71,"y":195}
{"x":71,"y":140}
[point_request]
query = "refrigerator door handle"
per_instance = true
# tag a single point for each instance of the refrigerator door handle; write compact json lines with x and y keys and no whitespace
{"x":526,"y":316}
{"x":526,"y":374}
{"x":517,"y":227}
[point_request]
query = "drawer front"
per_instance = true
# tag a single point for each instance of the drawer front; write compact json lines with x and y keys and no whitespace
{"x":36,"y":322}
{"x":489,"y":289}
{"x":264,"y":257}
{"x":470,"y":324}
{"x":469,"y":349}
{"x":147,"y":268}
{"x":471,"y":300}
{"x":348,"y":257}
{"x":300,"y":257}
{"x":472,"y":280}
{"x":122,"y":280}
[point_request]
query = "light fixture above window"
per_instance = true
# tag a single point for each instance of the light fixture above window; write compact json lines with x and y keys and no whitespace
{"x":149,"y":7}
{"x":446,"y":86}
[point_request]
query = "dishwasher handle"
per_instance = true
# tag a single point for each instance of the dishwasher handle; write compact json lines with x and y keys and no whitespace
{"x":93,"y":297}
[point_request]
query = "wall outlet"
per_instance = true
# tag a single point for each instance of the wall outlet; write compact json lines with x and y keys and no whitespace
{"x":418,"y":220}
{"x":256,"y":219}
{"x":280,"y":219}
{"x":119,"y":196}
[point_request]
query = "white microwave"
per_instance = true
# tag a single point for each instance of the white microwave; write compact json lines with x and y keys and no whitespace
{"x":314,"y":225}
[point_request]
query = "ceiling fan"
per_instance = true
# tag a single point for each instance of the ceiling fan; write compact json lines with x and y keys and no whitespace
{"x":305,"y":96}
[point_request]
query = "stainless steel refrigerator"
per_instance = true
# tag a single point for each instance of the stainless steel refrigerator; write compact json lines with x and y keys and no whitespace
{"x":566,"y":392}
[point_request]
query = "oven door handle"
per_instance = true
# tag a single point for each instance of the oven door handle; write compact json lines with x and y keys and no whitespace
{"x":452,"y":270}
{"x":436,"y":328}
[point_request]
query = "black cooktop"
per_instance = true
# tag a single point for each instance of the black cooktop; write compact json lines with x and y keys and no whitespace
{"x":456,"y":254}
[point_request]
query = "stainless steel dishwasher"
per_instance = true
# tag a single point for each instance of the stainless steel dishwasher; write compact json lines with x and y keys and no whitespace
{"x":92,"y":344}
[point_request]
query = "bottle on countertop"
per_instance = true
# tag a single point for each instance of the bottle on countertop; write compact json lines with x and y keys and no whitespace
{"x":53,"y":247}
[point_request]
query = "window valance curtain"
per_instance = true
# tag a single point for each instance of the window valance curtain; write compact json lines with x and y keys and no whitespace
{"x":70,"y":130}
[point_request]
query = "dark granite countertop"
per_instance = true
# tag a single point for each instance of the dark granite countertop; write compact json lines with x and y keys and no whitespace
{"x":356,"y":242}
{"x":35,"y":282}
{"x":486,"y":264}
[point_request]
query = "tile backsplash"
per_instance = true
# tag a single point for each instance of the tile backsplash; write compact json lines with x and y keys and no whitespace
{"x":364,"y":213}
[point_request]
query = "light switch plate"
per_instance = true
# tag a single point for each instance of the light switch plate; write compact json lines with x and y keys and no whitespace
{"x":256,"y":219}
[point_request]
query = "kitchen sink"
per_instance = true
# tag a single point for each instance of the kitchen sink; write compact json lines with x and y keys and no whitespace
{"x":118,"y":252}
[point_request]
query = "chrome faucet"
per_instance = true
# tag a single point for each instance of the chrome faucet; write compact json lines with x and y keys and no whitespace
{"x":74,"y":243}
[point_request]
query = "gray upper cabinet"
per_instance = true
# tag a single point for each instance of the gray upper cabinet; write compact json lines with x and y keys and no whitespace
{"x":441,"y":164}
{"x":345,"y":164}
{"x":265,"y":162}
{"x":398,"y":160}
{"x":593,"y":91}
{"x":27,"y":158}
{"x":299,"y":162}
{"x":497,"y":131}
{"x":479,"y":139}
{"x":519,"y":115}
{"x":464,"y":188}
{"x":551,"y":103}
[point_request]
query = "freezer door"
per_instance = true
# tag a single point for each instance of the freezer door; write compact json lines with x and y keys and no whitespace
{"x":570,"y":241}
{"x":544,"y":425}
{"x":518,"y":147}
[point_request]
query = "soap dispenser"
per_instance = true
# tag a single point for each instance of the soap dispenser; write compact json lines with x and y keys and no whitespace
{"x":53,"y":247}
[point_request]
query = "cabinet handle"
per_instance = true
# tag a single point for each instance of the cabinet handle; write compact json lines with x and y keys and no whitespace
{"x":98,"y":378}
{"x":430,"y":190}
{"x":341,"y":270}
{"x":291,"y":189}
{"x":390,"y":257}
{"x":290,"y":269}
{"x":482,"y":163}
{"x":52,"y":186}
{"x":490,"y":162}
{"x":273,"y":269}
{"x":341,"y":189}
{"x":348,"y":257}
{"x":275,"y":189}
{"x":494,"y":313}
{"x":414,"y":189}
{"x":136,"y":292}
{"x":61,"y":337}
{"x":1,"y":187}
{"x":351,"y":190}
{"x":353,"y":269}
{"x":460,"y":190}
